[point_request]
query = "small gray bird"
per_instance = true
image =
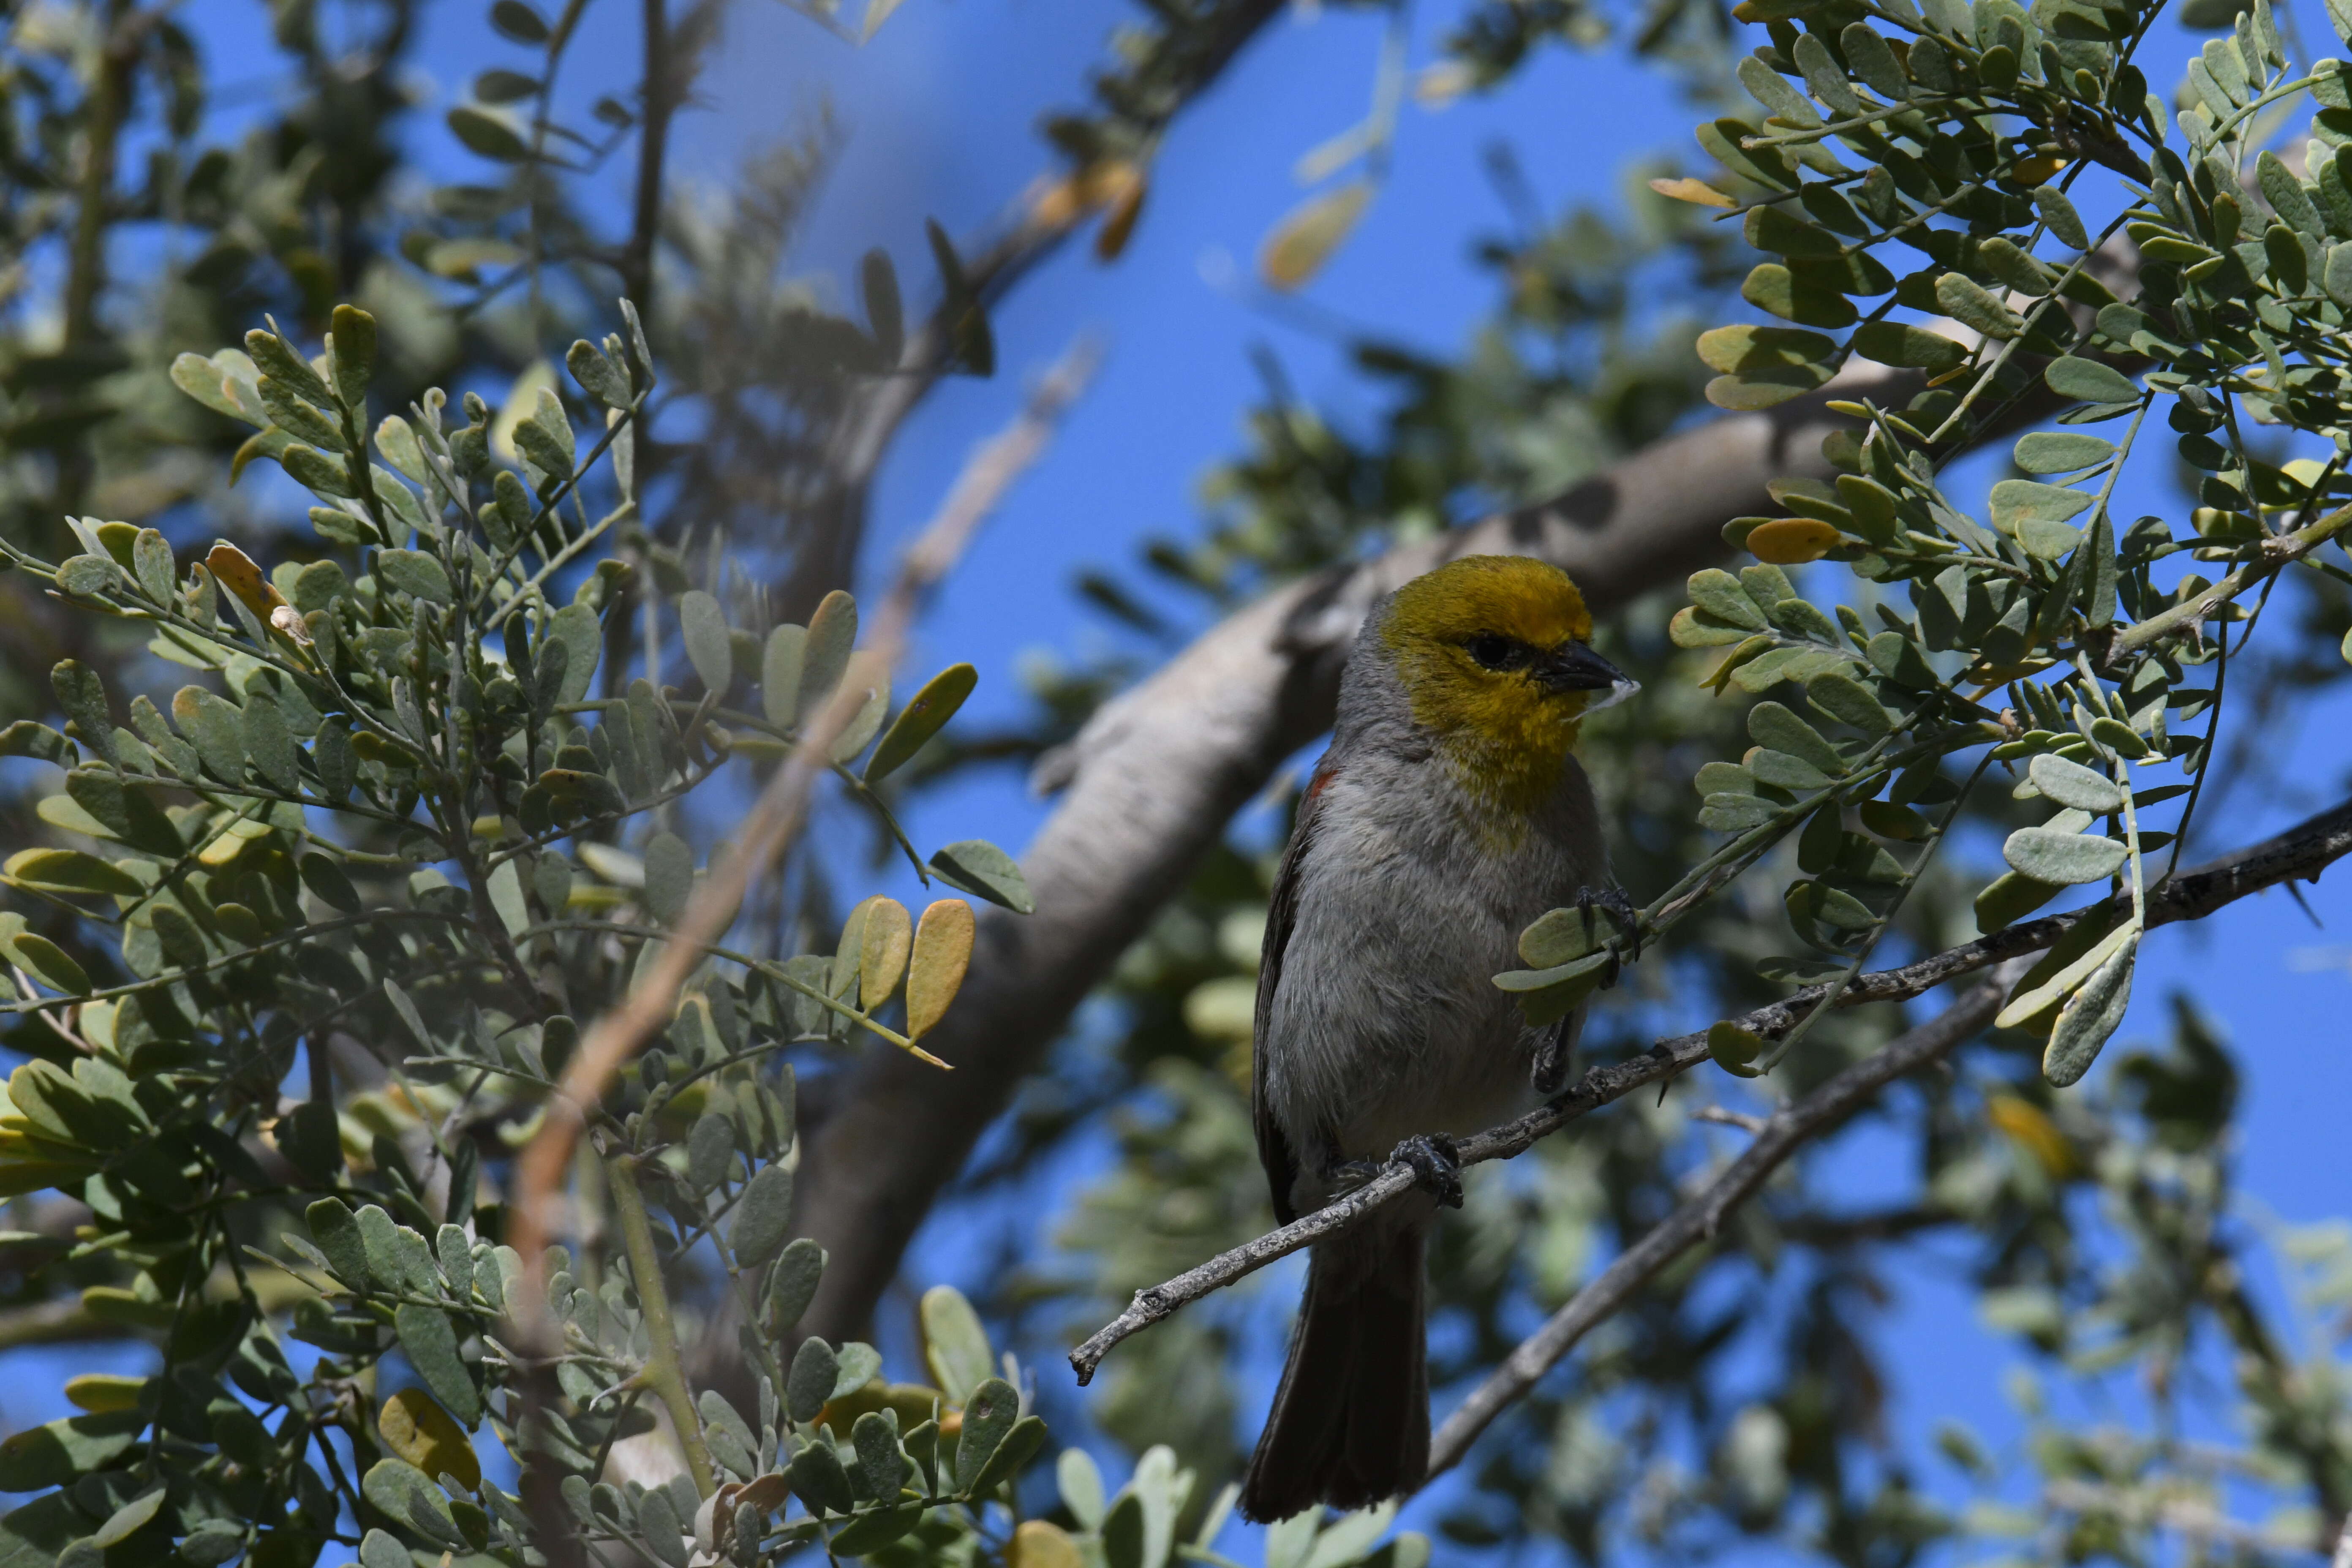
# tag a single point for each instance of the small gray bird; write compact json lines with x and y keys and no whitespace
{"x":1446,"y":815}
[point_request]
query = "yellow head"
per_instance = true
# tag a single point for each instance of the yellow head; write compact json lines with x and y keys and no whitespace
{"x":1491,"y":651}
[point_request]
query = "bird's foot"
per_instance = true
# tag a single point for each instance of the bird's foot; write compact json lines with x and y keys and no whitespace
{"x":1620,"y":906}
{"x":1437,"y":1169}
{"x":1349,"y":1173}
{"x":1553,"y":1057}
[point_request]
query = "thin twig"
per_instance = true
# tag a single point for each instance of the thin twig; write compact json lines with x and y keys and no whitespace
{"x":1787,"y":1129}
{"x":773,"y":823}
{"x":2298,"y":854}
{"x":1723,"y":1116}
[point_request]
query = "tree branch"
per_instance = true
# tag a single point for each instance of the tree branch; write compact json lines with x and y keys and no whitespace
{"x":2299,"y":854}
{"x":1786,"y":1131}
{"x":775,"y":820}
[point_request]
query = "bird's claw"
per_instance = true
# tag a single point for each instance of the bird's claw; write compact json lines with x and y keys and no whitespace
{"x":1437,"y":1169}
{"x":1620,"y":906}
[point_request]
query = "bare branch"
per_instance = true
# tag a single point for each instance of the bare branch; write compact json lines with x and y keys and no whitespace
{"x":2300,"y":853}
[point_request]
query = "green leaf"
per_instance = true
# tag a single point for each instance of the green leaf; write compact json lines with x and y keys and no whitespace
{"x":575,"y":625}
{"x":2088,"y":381}
{"x":1764,"y":366}
{"x":517,"y":21}
{"x":1777,"y":726}
{"x":2089,"y":1019}
{"x":1909,"y":347}
{"x":2053,"y":855}
{"x":416,"y":573}
{"x":430,"y":1343}
{"x":270,"y":744}
{"x":763,"y":1215}
{"x":923,"y":717}
{"x":981,"y":870}
{"x":1081,"y":1484}
{"x":707,"y":647}
{"x":669,"y":876}
{"x":780,"y":675}
{"x":351,"y":346}
{"x":809,"y":1385}
{"x":70,"y":871}
{"x":53,"y":1454}
{"x":1795,"y":297}
{"x":1967,"y":302}
{"x":988,"y":1415}
{"x":337,"y":1235}
{"x":2061,"y":452}
{"x":2059,"y":214}
{"x":792,"y":1283}
{"x":1012,"y":1456}
{"x":90,"y":577}
{"x":1122,"y":1533}
{"x":2072,"y":785}
{"x":599,"y":376}
{"x":815,"y":1475}
{"x":82,"y":695}
{"x":832,"y":633}
{"x":324,"y":878}
{"x":954,"y":1344}
{"x":493,"y":136}
{"x":1846,"y":699}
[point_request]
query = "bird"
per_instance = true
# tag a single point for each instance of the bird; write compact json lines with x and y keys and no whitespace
{"x":1446,"y":815}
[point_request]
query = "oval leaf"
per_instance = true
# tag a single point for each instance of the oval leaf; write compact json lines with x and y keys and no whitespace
{"x":935,"y":971}
{"x":925,"y":714}
{"x":2067,"y":860}
{"x":1305,"y":240}
{"x":2072,"y":785}
{"x":882,"y":948}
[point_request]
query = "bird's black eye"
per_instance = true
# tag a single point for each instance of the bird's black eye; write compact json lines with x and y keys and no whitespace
{"x":1497,"y":652}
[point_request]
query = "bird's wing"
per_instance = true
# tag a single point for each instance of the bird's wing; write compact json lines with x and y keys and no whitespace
{"x":1274,"y":1150}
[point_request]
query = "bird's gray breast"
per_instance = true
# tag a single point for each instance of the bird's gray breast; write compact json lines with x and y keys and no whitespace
{"x":1385,"y":1021}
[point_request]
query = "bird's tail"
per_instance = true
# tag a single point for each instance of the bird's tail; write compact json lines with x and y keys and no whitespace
{"x":1350,"y":1422}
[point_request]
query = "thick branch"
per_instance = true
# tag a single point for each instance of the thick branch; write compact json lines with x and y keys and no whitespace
{"x":2299,"y":854}
{"x":1787,"y":1129}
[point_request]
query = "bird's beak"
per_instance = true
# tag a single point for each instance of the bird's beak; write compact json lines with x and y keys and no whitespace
{"x":1574,"y":667}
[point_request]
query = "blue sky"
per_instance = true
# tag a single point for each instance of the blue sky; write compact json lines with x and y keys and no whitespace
{"x":939,"y":117}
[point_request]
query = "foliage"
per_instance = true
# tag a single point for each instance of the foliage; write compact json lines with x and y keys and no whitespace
{"x":446,"y":781}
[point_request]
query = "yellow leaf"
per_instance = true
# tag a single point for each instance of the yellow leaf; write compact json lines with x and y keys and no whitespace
{"x":426,"y":1436}
{"x":1125,"y":207}
{"x":882,"y":951}
{"x":2038,"y":171}
{"x":1792,"y":541}
{"x":2029,"y":1130}
{"x":1698,"y":192}
{"x":1037,"y":1545}
{"x":942,"y":952}
{"x":100,"y":1392}
{"x":233,"y":569}
{"x":1302,"y":241}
